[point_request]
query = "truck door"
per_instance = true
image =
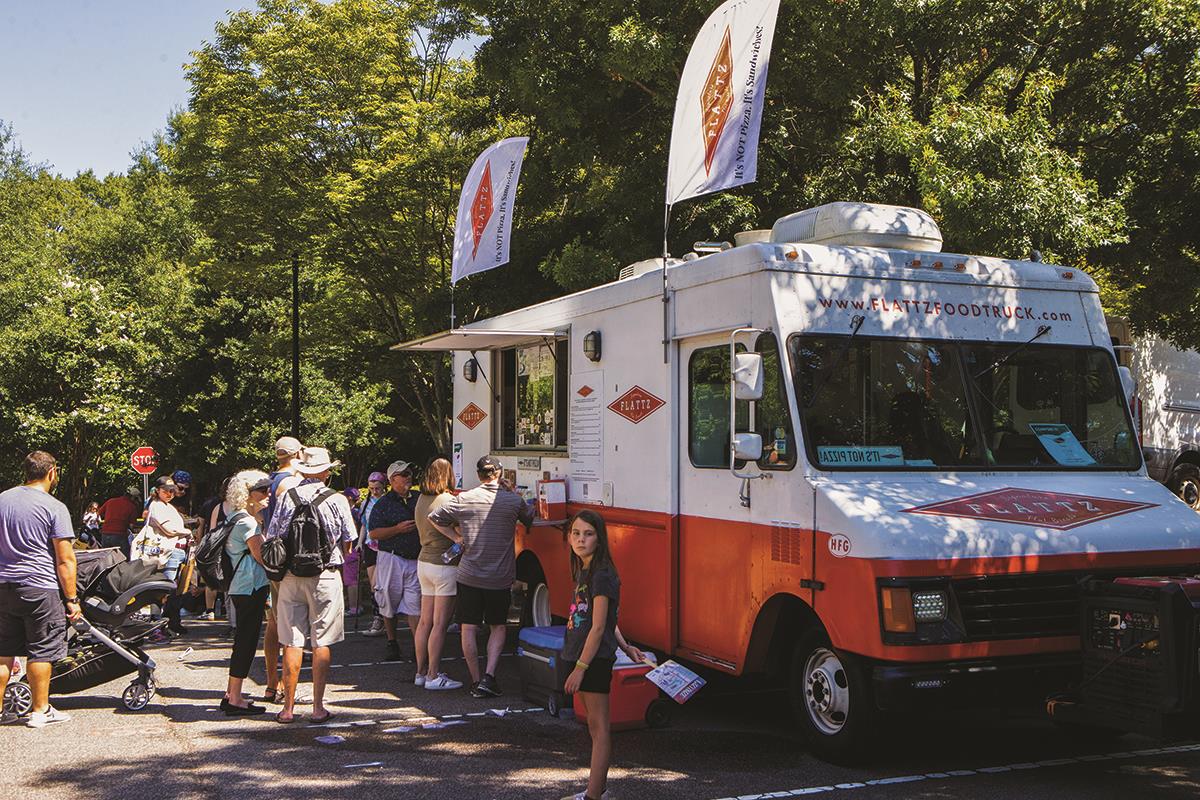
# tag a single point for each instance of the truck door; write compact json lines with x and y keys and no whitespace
{"x":726,"y":546}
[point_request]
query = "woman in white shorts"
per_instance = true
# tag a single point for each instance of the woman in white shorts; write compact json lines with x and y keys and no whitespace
{"x":438,"y":583}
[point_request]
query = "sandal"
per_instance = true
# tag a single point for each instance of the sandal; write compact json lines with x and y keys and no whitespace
{"x":322,"y":720}
{"x":279,"y":718}
{"x":272,"y":696}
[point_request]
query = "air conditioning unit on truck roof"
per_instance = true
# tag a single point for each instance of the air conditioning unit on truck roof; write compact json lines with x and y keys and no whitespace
{"x":837,"y":224}
{"x":860,"y":225}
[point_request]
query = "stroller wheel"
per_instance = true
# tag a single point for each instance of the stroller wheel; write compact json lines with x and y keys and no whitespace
{"x":18,"y":699}
{"x":136,"y":696}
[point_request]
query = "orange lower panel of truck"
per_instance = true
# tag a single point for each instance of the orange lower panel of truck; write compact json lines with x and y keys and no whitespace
{"x":694,"y":586}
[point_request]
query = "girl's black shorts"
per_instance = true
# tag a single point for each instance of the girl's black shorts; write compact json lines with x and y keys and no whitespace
{"x":598,"y":676}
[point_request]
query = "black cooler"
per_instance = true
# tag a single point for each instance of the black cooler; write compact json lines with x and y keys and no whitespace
{"x":543,"y":671}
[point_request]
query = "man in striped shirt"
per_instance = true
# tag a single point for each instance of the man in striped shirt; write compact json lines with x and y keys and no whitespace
{"x":486,"y":519}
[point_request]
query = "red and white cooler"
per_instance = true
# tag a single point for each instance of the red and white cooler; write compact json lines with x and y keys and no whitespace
{"x":634,"y":701}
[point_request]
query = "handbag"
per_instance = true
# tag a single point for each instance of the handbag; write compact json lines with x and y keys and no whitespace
{"x":150,"y":547}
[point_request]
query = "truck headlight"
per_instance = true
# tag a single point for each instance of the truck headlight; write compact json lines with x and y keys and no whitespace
{"x":929,"y":606}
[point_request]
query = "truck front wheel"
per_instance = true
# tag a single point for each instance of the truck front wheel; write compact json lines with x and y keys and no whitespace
{"x":831,"y":700}
{"x":1185,"y":482}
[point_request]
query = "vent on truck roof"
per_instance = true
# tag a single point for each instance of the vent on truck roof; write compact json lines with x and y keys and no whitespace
{"x":644,"y":266}
{"x":860,"y":225}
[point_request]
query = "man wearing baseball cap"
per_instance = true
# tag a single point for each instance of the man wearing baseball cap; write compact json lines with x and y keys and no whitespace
{"x":486,"y":519}
{"x":394,"y":528}
{"x":286,"y":476}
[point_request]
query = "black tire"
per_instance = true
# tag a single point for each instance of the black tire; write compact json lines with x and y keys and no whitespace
{"x":1185,"y":483}
{"x":18,"y":698}
{"x":533,"y":588}
{"x":831,"y":699}
{"x":658,"y":713}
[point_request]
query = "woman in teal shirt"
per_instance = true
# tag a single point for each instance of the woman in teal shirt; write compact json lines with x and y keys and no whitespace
{"x":247,"y":495}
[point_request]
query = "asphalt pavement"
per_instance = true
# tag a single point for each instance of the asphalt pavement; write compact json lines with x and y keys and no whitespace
{"x":392,"y":739}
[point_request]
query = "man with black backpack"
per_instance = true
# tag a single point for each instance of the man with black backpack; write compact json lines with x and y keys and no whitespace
{"x":309,"y":534}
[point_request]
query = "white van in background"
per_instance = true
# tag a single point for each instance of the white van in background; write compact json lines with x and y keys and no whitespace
{"x":1168,"y":394}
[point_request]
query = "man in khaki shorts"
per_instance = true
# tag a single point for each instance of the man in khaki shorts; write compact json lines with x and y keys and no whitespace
{"x":312,"y":607}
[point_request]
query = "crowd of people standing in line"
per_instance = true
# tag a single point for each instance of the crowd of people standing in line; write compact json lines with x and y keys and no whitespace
{"x":433,"y":556}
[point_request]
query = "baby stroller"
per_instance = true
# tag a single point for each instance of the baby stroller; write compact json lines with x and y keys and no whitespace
{"x":105,"y":644}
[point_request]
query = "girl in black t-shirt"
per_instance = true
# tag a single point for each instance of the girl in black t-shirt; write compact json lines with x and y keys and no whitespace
{"x":592,"y":637}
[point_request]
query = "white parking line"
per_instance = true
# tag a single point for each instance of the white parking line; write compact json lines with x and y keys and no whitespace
{"x":962,"y":773}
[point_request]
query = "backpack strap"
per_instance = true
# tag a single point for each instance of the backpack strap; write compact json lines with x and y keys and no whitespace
{"x":323,"y":496}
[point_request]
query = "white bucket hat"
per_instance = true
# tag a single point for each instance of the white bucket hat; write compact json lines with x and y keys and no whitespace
{"x":314,"y":461}
{"x":287,"y":446}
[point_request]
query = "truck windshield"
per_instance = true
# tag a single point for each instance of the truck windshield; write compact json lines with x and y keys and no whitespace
{"x":905,"y":404}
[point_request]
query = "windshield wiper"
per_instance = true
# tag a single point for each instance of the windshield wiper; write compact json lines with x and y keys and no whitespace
{"x":855,"y":324}
{"x":1041,"y":331}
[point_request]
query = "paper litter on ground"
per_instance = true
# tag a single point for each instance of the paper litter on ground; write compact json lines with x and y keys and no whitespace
{"x":331,"y":739}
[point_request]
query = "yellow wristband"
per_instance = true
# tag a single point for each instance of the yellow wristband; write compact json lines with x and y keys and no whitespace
{"x":582,"y":665}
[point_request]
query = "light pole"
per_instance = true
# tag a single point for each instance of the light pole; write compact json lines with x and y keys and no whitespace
{"x":296,"y":345}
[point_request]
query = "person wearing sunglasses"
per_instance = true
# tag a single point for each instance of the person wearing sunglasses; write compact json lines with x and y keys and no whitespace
{"x":398,"y":589}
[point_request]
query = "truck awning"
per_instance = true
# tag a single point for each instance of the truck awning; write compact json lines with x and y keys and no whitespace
{"x":473,"y":339}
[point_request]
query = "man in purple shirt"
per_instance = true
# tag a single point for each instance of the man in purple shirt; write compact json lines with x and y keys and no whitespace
{"x":37,"y":561}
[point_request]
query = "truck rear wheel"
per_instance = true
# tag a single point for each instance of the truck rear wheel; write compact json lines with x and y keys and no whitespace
{"x":1185,"y":482}
{"x":831,"y":700}
{"x":536,"y":609}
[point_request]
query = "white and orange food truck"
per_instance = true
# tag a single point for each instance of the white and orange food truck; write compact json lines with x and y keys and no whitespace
{"x":832,"y":451}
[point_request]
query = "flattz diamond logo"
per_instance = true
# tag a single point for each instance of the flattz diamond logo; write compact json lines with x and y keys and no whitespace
{"x":1032,"y":507}
{"x":715,"y":101}
{"x":481,"y":207}
{"x":471,"y":416}
{"x":636,"y":404}
{"x":585,"y":391}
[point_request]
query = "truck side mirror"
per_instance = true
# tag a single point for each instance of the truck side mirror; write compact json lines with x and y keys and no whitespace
{"x":747,"y":447}
{"x":1127,"y":383}
{"x":747,"y":376}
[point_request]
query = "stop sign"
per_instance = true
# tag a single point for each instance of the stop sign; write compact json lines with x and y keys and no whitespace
{"x":144,"y":460}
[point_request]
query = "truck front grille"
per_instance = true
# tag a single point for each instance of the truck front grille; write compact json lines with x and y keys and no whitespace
{"x":1029,"y":606}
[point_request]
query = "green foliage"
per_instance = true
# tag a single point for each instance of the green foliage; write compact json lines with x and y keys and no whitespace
{"x":99,"y":309}
{"x":1026,"y":124}
{"x":341,"y":131}
{"x":154,"y":307}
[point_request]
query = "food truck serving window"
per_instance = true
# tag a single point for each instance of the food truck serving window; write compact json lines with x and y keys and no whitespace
{"x":533,"y":404}
{"x":904,"y":404}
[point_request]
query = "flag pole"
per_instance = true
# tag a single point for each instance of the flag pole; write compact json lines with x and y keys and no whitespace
{"x":452,"y":306}
{"x":665,"y":298}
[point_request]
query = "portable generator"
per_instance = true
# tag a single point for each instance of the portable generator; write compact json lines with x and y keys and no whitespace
{"x":1141,"y":668}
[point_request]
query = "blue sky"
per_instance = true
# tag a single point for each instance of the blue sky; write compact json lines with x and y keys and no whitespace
{"x":84,"y":82}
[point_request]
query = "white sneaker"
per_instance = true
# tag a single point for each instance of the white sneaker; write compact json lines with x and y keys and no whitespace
{"x":442,"y":682}
{"x":419,"y":680}
{"x":207,"y":616}
{"x":40,"y":719}
{"x":376,"y":628}
{"x":583,"y":796}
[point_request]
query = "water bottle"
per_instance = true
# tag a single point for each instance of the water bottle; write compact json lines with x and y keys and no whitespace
{"x":454,"y":552}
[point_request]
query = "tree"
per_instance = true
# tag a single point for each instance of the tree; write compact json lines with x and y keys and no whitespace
{"x":1066,"y":127}
{"x":98,"y":305}
{"x":341,"y":132}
